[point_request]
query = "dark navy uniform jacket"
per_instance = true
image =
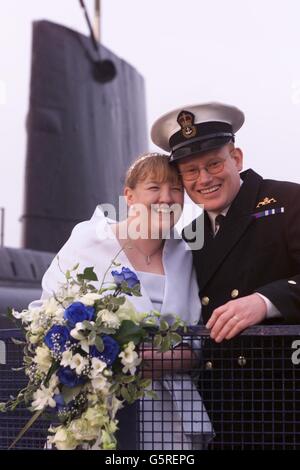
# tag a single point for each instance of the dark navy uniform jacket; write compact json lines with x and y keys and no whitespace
{"x":257,"y":248}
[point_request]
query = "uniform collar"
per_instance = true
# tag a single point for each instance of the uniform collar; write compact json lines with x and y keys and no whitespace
{"x":212,"y":215}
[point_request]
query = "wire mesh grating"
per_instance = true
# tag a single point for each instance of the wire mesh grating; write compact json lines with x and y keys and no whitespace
{"x":239,"y":394}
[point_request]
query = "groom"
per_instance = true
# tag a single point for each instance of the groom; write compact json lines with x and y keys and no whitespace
{"x":248,"y":270}
{"x":249,"y":267}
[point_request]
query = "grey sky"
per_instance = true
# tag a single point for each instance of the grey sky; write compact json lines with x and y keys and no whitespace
{"x":244,"y":53}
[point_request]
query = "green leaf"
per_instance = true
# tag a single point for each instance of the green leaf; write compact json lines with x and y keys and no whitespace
{"x":136,"y":291}
{"x":88,"y":275}
{"x":151,"y":394}
{"x":87,"y":325}
{"x":92,"y":337}
{"x":175,"y":338}
{"x":70,"y":393}
{"x":157,"y":341}
{"x":164,"y":326}
{"x":128,"y":378}
{"x":119,"y":300}
{"x":27,"y":360}
{"x":114,"y":388}
{"x":106,"y":331}
{"x":165,"y":344}
{"x":178,"y":323}
{"x":129,"y":331}
{"x":145,"y":383}
{"x":131,"y":389}
{"x":99,"y":344}
{"x":92,"y":288}
{"x":125,"y":394}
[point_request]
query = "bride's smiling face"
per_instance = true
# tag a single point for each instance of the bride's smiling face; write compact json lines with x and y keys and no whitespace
{"x":157,"y":204}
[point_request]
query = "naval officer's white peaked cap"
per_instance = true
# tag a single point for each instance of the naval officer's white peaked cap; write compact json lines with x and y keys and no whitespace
{"x":196,"y":128}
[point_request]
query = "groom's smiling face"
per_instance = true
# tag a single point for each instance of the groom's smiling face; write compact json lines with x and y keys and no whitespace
{"x":215,"y":191}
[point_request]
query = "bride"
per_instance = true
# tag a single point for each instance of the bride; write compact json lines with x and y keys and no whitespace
{"x":148,"y":245}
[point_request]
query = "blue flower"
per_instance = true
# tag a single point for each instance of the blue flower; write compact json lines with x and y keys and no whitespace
{"x":127,"y":276}
{"x":60,"y":402}
{"x":69,"y":378}
{"x":57,"y":337}
{"x":78,"y":312}
{"x":110,"y":352}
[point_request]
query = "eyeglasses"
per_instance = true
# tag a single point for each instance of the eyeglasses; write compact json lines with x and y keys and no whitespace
{"x":213,"y":168}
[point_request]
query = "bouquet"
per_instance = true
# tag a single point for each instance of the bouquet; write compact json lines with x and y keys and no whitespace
{"x":82,"y":360}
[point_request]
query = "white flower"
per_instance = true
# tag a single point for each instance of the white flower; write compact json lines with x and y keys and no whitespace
{"x":33,"y":339}
{"x":89,"y":299}
{"x":68,"y":292}
{"x":95,"y":423}
{"x":130,"y":359}
{"x":97,"y":368}
{"x":78,"y":334}
{"x":110,"y":319}
{"x":107,"y":373}
{"x":66,"y":358}
{"x":64,"y":439}
{"x":36,"y":329}
{"x":39,"y":322}
{"x":116,"y":405}
{"x":53,"y":308}
{"x":77,"y":331}
{"x":97,"y":415}
{"x":128,"y":312}
{"x":25,"y":315}
{"x":100,"y":383}
{"x":92,"y":397}
{"x":78,"y":363}
{"x":82,"y":430}
{"x":43,"y":397}
{"x":43,"y":358}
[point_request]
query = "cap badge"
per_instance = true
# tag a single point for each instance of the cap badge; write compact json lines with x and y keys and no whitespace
{"x":186,"y":121}
{"x":266,"y":201}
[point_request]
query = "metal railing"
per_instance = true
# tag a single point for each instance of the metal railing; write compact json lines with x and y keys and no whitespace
{"x":239,"y":394}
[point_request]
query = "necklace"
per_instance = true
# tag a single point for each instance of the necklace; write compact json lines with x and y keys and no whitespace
{"x":147,"y":257}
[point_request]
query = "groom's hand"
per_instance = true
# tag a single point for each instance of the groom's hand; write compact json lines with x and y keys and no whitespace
{"x":233,"y":317}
